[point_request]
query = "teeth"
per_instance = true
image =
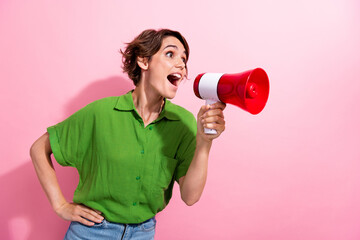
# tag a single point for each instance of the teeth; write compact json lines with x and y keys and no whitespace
{"x":177,"y":75}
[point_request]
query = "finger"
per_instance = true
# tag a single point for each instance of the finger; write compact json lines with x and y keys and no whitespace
{"x":203,"y":109}
{"x":216,"y":119}
{"x":84,"y":221}
{"x":96,"y":215}
{"x":213,"y":112}
{"x":83,"y":211}
{"x":91,"y":215}
{"x":219,"y":105}
{"x":94,"y":212}
{"x":98,"y":212}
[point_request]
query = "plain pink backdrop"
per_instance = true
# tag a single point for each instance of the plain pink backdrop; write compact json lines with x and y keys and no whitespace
{"x":290,"y":173}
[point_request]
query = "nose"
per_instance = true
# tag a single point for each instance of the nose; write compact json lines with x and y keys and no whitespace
{"x":180,"y":63}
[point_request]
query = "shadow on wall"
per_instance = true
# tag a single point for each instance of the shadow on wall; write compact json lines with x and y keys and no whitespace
{"x":26,"y":212}
{"x":112,"y":86}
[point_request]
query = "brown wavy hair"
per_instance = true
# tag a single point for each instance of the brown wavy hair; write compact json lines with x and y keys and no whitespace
{"x":146,"y":45}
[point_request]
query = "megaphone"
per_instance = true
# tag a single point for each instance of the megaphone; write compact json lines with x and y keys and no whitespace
{"x":248,"y":90}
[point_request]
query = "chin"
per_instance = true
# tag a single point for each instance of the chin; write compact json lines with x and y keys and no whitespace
{"x":170,"y":96}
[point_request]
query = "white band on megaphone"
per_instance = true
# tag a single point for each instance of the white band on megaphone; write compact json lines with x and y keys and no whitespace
{"x":208,"y":86}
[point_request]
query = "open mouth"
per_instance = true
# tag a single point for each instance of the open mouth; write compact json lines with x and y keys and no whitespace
{"x":174,"y":78}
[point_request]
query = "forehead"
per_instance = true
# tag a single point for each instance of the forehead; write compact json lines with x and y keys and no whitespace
{"x":172,"y":41}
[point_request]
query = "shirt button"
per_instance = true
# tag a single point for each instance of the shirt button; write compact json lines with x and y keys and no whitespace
{"x":138,"y":178}
{"x":150,"y":128}
{"x":142,"y":151}
{"x":134,"y":203}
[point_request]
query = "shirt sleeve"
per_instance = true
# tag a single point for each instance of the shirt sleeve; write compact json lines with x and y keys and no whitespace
{"x":187,"y":148}
{"x":71,"y":138}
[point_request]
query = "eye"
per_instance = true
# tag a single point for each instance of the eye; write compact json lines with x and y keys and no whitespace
{"x":184,"y":59}
{"x":170,"y":54}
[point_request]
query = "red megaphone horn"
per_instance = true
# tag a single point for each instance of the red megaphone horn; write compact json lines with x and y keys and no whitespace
{"x":248,"y":90}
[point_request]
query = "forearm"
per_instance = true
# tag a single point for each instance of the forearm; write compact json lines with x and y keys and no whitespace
{"x":40,"y":154}
{"x":194,"y":181}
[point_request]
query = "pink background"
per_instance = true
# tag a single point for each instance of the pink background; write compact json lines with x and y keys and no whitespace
{"x":291,"y":172}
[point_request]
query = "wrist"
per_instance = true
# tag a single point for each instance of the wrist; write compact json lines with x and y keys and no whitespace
{"x":202,"y":142}
{"x":58,"y":205}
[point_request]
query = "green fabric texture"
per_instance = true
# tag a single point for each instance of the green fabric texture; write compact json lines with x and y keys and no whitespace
{"x":126,"y":171}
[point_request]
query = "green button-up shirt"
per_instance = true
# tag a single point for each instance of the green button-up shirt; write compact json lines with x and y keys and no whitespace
{"x":126,"y":171}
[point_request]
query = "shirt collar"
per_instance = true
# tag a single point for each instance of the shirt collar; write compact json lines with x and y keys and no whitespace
{"x":126,"y":103}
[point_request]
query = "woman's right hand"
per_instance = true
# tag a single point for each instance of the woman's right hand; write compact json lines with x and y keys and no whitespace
{"x":79,"y":213}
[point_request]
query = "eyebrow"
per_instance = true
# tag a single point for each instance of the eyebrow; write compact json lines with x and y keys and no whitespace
{"x":174,"y":46}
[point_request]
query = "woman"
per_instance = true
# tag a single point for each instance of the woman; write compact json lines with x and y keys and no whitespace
{"x":129,"y":150}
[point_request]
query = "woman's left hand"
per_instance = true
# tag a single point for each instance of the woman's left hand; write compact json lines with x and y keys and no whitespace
{"x":211,"y":116}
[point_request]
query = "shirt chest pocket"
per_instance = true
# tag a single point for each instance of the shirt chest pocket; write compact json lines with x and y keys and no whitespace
{"x":164,"y":169}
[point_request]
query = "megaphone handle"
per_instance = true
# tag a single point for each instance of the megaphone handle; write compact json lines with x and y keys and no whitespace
{"x":208,"y":130}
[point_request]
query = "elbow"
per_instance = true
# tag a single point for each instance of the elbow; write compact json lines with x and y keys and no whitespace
{"x":39,"y":146}
{"x":190,"y":201}
{"x":33,"y":150}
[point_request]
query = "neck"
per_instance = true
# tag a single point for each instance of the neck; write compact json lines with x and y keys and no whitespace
{"x":147,"y":103}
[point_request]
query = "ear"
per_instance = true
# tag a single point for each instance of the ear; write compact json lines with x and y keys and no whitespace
{"x":143,"y":62}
